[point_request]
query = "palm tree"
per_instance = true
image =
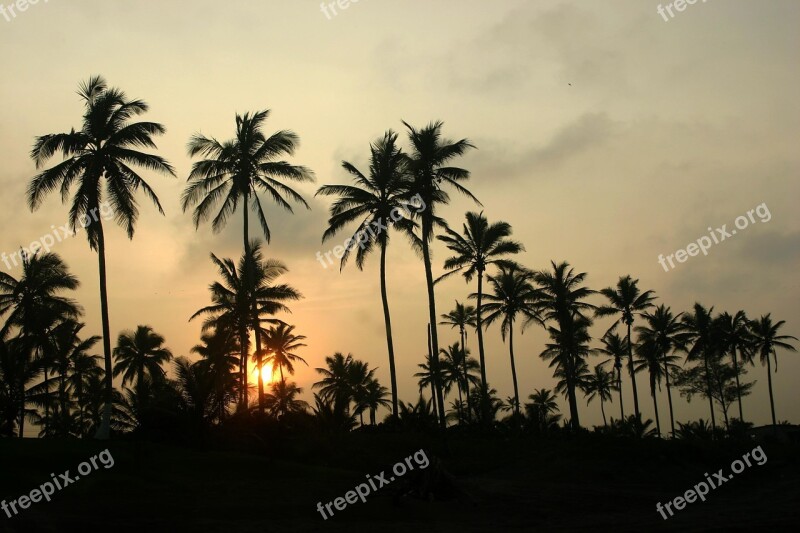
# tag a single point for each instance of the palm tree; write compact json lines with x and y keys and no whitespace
{"x":429,"y":154}
{"x":627,"y":301}
{"x":513,"y":295}
{"x":561,"y":300}
{"x":196,"y":392}
{"x":428,"y":377}
{"x":461,"y":317}
{"x":138,"y":354}
{"x":765,"y":343}
{"x":283,"y":400}
{"x":83,"y":368}
{"x":454,"y":367}
{"x":372,"y":200}
{"x":700,"y":331}
{"x":218,"y":351}
{"x":649,"y":359}
{"x":616,"y":347}
{"x":374,"y":397}
{"x":69,"y":349}
{"x":235,"y":171}
{"x":542,"y":409}
{"x":280,"y":343}
{"x":737,"y":338}
{"x":100,"y":157}
{"x":35,"y":306}
{"x":335,"y":382}
{"x":480,"y":246}
{"x":599,"y":385}
{"x":664,"y":333}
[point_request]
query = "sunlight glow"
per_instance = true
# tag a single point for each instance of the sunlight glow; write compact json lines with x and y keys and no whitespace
{"x":268,"y":374}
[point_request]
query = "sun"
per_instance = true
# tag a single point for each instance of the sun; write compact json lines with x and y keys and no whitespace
{"x":266,"y":368}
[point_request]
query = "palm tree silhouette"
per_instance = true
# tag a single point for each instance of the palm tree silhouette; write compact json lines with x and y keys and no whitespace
{"x":461,"y":317}
{"x":138,"y":354}
{"x":374,"y":397}
{"x":429,"y":155}
{"x":455,"y":367}
{"x":104,"y":151}
{"x":627,"y":301}
{"x":35,"y":306}
{"x":480,"y":246}
{"x":235,"y":171}
{"x":283,"y":399}
{"x":664,"y":334}
{"x":648,"y":358}
{"x":600,"y":385}
{"x":218,"y":351}
{"x":737,"y":338}
{"x":428,"y":377}
{"x":700,"y":330}
{"x":513,"y":295}
{"x":280,"y":343}
{"x":543,"y":408}
{"x":616,"y":347}
{"x":766,"y":340}
{"x":561,"y":300}
{"x":335,"y":382}
{"x":373,"y":200}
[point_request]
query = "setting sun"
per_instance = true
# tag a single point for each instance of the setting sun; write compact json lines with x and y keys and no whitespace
{"x":268,"y":374}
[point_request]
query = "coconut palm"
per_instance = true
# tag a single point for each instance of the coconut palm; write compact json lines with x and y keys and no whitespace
{"x":616,"y":347}
{"x":513,"y":296}
{"x":373,"y":201}
{"x":138,"y":354}
{"x":374,"y":397}
{"x":235,"y":171}
{"x":664,"y":334}
{"x":481,"y":245}
{"x":69,"y":349}
{"x":456,"y":368}
{"x":737,"y":339}
{"x":649,"y":359}
{"x":280,"y":343}
{"x":282,"y":399}
{"x":626,"y":301}
{"x":335,"y":382}
{"x":461,"y":317}
{"x":195,"y":388}
{"x":600,"y":385}
{"x":562,"y":300}
{"x":766,"y":341}
{"x":218,"y":351}
{"x":428,"y":377}
{"x":428,"y":160}
{"x":100,"y":159}
{"x":83,"y":369}
{"x":700,"y":332}
{"x":543,"y":409}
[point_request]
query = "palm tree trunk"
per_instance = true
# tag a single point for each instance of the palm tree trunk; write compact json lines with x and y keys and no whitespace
{"x":426,"y":256}
{"x":479,"y":321}
{"x":257,"y":329}
{"x":47,"y":402}
{"x":243,"y":332}
{"x":433,"y":386}
{"x":619,"y":389}
{"x":513,"y":366}
{"x":633,"y":374}
{"x":771,"y":398}
{"x":655,"y":407}
{"x":738,"y":387}
{"x":603,"y":411}
{"x":22,"y":409}
{"x":669,"y":396}
{"x":466,"y":372}
{"x":710,"y":398}
{"x":573,"y":406}
{"x":388,"y":322}
{"x":104,"y":430}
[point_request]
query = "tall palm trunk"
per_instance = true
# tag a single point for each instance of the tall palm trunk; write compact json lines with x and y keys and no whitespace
{"x":513,"y":367}
{"x":771,"y":398}
{"x":260,"y":373}
{"x":655,"y":407}
{"x":603,"y":411}
{"x":243,"y":332}
{"x":708,"y":390}
{"x":619,"y":389}
{"x":388,"y":322}
{"x":479,"y":320}
{"x":426,"y":256}
{"x":104,"y":431}
{"x":573,"y":406}
{"x":433,"y":387}
{"x":47,"y":400}
{"x":669,"y":396}
{"x":738,"y":387}
{"x":633,"y":373}
{"x":466,"y":372}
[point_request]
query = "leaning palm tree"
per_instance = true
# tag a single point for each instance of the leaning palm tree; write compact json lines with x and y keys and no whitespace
{"x":765,"y":343}
{"x":627,"y":301}
{"x":235,"y":171}
{"x":430,"y":153}
{"x":513,"y":296}
{"x":373,"y":201}
{"x":600,"y":385}
{"x":616,"y":347}
{"x":737,"y":339}
{"x":481,"y":245}
{"x":35,"y":305}
{"x":138,"y":354}
{"x":100,"y":159}
{"x":663,"y":334}
{"x":280,"y":343}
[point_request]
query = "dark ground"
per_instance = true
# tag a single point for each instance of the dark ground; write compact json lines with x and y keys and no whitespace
{"x":518,"y":484}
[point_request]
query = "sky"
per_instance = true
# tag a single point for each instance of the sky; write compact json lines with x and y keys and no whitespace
{"x":606,"y":136}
